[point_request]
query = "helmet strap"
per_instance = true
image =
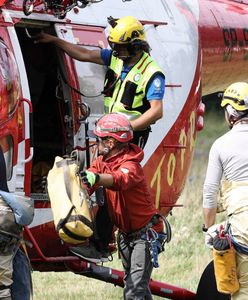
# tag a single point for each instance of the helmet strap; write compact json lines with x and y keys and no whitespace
{"x":125,"y":58}
{"x":117,"y":147}
{"x":106,"y":148}
{"x":240,"y":118}
{"x":133,"y":49}
{"x":233,"y":115}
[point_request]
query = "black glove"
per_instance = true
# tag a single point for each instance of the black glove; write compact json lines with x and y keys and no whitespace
{"x":89,"y":178}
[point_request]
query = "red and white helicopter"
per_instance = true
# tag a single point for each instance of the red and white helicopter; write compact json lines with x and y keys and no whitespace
{"x":202,"y":46}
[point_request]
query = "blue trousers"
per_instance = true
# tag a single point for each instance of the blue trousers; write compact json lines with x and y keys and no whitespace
{"x":21,"y":288}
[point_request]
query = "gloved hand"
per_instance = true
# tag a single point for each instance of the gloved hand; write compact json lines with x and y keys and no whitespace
{"x":210,"y":234}
{"x":89,"y":178}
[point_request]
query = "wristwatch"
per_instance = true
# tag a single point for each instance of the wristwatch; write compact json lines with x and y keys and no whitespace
{"x":204,"y":228}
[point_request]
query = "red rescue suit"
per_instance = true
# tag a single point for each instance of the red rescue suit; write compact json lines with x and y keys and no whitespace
{"x":129,"y":203}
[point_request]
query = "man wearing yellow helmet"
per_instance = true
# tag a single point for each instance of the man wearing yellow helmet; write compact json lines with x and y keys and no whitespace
{"x":228,"y":157}
{"x":134,"y":83}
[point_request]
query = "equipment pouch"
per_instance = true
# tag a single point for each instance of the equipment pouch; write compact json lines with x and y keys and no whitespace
{"x":225,"y":265}
{"x":69,"y":202}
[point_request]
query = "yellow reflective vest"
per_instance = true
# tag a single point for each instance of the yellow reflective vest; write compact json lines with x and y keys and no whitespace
{"x":129,"y":96}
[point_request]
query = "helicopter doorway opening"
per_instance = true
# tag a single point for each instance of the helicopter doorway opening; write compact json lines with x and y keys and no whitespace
{"x":49,"y":107}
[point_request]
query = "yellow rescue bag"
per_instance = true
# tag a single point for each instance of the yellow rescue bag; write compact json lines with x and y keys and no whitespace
{"x":69,"y":201}
{"x":225,"y":265}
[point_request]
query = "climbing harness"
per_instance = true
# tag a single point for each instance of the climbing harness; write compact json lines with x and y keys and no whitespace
{"x":156,"y":240}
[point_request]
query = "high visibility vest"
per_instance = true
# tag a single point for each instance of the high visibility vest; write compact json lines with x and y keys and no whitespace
{"x":129,"y":96}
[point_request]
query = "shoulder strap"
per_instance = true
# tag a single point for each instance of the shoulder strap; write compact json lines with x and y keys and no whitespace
{"x":67,"y":178}
{"x":64,"y":164}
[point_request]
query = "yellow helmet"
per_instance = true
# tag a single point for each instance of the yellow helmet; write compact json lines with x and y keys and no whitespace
{"x":125,"y":30}
{"x":237,"y":96}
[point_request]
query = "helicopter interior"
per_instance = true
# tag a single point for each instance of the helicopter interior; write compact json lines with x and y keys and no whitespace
{"x":51,"y":108}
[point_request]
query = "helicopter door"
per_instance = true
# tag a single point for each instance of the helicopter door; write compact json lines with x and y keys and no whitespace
{"x":89,"y":79}
{"x":14,"y":112}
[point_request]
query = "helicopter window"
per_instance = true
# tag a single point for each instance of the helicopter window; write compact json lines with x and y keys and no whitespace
{"x":91,"y":80}
{"x":6,"y":144}
{"x":10,"y":80}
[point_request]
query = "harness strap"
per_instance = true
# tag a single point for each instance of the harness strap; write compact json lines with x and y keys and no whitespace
{"x":10,"y":234}
{"x":4,"y":287}
{"x":156,"y":240}
{"x":136,"y":234}
{"x":17,"y":237}
{"x":154,"y":220}
{"x":240,"y":248}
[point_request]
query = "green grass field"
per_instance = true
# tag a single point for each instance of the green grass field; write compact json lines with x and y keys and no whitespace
{"x":184,"y":258}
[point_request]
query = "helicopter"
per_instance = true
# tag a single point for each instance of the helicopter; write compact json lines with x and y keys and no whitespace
{"x":49,"y":100}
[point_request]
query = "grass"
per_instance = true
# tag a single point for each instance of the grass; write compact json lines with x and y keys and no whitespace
{"x":184,"y":258}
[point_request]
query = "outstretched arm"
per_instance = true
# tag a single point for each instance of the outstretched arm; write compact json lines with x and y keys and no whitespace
{"x":75,"y":51}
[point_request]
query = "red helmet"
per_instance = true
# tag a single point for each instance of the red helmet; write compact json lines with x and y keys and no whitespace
{"x":114,"y":125}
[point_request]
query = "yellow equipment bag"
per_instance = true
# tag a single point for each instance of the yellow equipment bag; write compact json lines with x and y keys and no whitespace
{"x":225,"y":265}
{"x":69,"y":201}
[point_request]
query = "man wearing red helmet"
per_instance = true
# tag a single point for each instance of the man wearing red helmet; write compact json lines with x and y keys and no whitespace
{"x":130,"y":207}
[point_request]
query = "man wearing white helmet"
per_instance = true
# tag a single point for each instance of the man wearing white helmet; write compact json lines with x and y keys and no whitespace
{"x":228,"y":158}
{"x":134,"y":83}
{"x":130,"y":207}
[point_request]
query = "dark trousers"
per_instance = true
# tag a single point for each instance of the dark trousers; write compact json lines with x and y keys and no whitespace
{"x":140,"y":137}
{"x":104,"y":228}
{"x":137,"y":264}
{"x":21,"y":288}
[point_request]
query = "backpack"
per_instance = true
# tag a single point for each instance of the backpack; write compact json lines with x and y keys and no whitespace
{"x":69,"y":201}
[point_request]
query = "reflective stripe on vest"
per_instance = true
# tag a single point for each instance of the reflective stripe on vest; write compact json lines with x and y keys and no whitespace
{"x":129,"y":96}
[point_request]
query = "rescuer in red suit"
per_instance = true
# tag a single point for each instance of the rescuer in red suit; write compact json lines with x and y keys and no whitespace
{"x":130,"y":207}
